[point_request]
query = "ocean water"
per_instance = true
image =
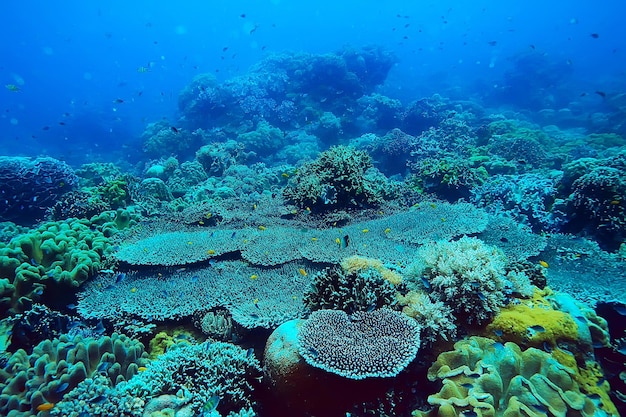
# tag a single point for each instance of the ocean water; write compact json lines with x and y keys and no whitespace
{"x":218,"y":158}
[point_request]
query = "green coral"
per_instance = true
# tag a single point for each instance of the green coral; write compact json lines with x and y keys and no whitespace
{"x":28,"y":381}
{"x":264,"y":139}
{"x":337,"y":179}
{"x":62,"y":254}
{"x":490,"y":379}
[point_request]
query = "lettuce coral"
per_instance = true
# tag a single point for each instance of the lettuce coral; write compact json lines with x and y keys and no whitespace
{"x":486,"y":378}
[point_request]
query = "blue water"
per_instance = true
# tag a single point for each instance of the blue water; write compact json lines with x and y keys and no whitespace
{"x":74,"y":61}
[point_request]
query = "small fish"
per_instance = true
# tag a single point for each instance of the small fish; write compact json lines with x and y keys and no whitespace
{"x":541,"y":408}
{"x":254,"y":277}
{"x":98,"y":399}
{"x":120,"y":277}
{"x":34,"y":262}
{"x":194,"y":278}
{"x":233,"y":235}
{"x":250,"y":352}
{"x":547,"y":347}
{"x":12,"y":87}
{"x":103,"y":367}
{"x":99,"y":328}
{"x":426,"y":283}
{"x":118,"y":100}
{"x":481,"y":296}
{"x":210,"y":406}
{"x":313,"y":352}
{"x":45,"y":407}
{"x":498,"y":332}
{"x":143,"y":69}
{"x":601,"y":93}
{"x":387,"y":230}
{"x":302,"y":272}
{"x":595,"y":35}
{"x":345,"y":241}
{"x":492,"y":43}
{"x":614,"y":202}
{"x":544,"y":264}
{"x":284,"y":175}
{"x":620,"y":309}
{"x":261,"y":228}
{"x":182,"y":269}
{"x":62,"y":387}
{"x":474,"y":375}
{"x":210,"y":252}
{"x":537,"y":328}
{"x":72,"y":306}
{"x":467,"y":385}
{"x":365,"y":230}
{"x":133,"y":290}
{"x":504,"y":240}
{"x":45,"y":128}
{"x":142,"y":369}
{"x":174,"y":129}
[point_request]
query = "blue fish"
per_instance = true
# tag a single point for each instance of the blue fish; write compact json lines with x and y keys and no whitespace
{"x":233,"y":235}
{"x":99,"y":328}
{"x":62,"y":387}
{"x":426,"y":283}
{"x":98,"y":399}
{"x":72,"y":306}
{"x":498,"y":346}
{"x":313,"y":352}
{"x":620,"y":308}
{"x":467,"y":385}
{"x":547,"y":347}
{"x":120,"y":277}
{"x":103,"y":367}
{"x":481,"y":296}
{"x":194,"y":278}
{"x":537,"y":328}
{"x":210,"y":406}
{"x":541,"y":408}
{"x":498,"y":332}
{"x":250,"y":352}
{"x":34,"y":262}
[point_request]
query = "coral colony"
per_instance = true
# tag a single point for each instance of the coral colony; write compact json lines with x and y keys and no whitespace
{"x":299,"y":244}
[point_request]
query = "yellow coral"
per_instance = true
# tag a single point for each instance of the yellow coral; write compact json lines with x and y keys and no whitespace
{"x":353,"y":264}
{"x":533,"y":323}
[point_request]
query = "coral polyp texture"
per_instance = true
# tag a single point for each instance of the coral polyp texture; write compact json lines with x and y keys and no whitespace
{"x":379,"y":343}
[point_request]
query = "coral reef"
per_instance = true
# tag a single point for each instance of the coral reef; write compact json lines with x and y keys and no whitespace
{"x":489,"y":378}
{"x":379,"y":343}
{"x":57,"y":366}
{"x":467,"y":275}
{"x":29,"y":187}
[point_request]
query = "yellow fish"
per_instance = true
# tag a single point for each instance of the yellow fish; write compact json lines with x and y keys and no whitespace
{"x":262,"y":228}
{"x":211,"y":252}
{"x":338,"y":241}
{"x":253,"y":277}
{"x":365,"y":230}
{"x":142,"y":369}
{"x":45,"y":407}
{"x":302,"y":272}
{"x":544,"y":264}
{"x":133,"y":290}
{"x":284,"y":175}
{"x":615,"y":202}
{"x":387,"y":230}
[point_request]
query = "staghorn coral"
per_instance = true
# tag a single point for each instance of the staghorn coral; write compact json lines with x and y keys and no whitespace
{"x":379,"y":343}
{"x":485,"y":378}
{"x":28,"y":381}
{"x":467,"y":275}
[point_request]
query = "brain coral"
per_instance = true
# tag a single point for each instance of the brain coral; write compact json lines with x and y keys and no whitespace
{"x":485,"y":378}
{"x":380,"y":343}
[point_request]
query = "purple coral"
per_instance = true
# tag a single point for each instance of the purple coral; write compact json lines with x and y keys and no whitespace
{"x":29,"y":187}
{"x":380,"y":343}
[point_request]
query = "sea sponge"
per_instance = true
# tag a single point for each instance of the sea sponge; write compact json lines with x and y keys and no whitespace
{"x":486,"y":378}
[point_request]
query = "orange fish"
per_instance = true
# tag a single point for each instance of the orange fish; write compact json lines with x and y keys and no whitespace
{"x":45,"y":407}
